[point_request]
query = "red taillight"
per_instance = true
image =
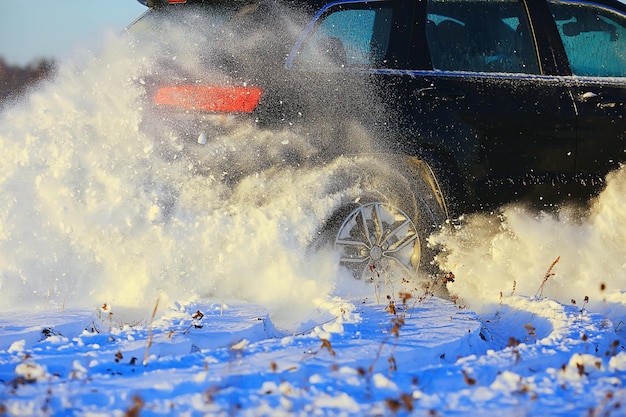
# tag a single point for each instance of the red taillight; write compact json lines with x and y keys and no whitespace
{"x":177,"y":1}
{"x":216,"y":99}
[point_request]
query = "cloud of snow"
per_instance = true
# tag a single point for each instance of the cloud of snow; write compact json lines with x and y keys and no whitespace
{"x":513,"y":251}
{"x":104,"y":205}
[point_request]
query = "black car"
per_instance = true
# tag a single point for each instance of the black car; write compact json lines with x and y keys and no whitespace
{"x":444,"y":106}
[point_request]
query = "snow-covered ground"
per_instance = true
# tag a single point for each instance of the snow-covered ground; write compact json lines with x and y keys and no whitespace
{"x":428,"y":357}
{"x":129,"y":284}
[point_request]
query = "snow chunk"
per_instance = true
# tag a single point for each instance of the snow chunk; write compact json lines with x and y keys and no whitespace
{"x":342,"y":401}
{"x":350,"y":376}
{"x":507,"y":381}
{"x":200,"y":376}
{"x":78,"y":370}
{"x":583,"y":365}
{"x":316,"y":379}
{"x":618,"y":362}
{"x":17,"y":346}
{"x":268,"y":387}
{"x":31,"y":371}
{"x":483,"y":394}
{"x":164,"y":386}
{"x":241,"y":345}
{"x":57,"y":339}
{"x":286,"y":388}
{"x":381,"y":381}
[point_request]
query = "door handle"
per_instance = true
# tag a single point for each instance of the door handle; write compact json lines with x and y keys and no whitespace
{"x":589,"y":96}
{"x":440,"y":93}
{"x":599,"y":100}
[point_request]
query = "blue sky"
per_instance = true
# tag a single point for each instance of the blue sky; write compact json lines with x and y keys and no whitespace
{"x":33,"y":29}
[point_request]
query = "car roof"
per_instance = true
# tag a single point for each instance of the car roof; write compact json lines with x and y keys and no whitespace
{"x":615,"y":4}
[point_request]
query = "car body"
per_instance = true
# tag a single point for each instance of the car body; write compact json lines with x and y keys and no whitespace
{"x":473,"y":103}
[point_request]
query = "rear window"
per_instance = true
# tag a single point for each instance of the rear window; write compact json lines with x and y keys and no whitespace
{"x":347,"y":35}
{"x":189,"y":42}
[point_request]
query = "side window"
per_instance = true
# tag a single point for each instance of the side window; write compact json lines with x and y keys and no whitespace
{"x":480,"y":36}
{"x":355,"y":35}
{"x":594,"y":38}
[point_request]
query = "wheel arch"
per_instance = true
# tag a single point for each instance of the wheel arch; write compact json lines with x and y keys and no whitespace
{"x":406,"y":182}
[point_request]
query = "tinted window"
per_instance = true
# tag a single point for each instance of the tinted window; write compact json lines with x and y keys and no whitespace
{"x":480,"y":36}
{"x":594,"y":38}
{"x":354,"y":36}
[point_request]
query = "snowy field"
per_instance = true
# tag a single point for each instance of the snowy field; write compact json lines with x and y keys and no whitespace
{"x":530,"y":357}
{"x":131,"y":285}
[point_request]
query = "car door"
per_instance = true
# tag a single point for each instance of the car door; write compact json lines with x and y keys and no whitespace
{"x":492,"y":104}
{"x":594,"y":38}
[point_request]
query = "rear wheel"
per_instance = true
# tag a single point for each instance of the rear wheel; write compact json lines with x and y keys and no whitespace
{"x":377,"y":239}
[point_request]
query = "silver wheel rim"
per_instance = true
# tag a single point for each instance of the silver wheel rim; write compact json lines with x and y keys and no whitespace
{"x":378,"y":239}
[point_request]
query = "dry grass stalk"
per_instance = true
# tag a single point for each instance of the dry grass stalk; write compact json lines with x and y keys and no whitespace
{"x":548,"y":274}
{"x":135,"y":409}
{"x":150,"y":335}
{"x":326,"y":345}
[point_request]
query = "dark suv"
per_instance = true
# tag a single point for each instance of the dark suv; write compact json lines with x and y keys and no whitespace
{"x":442,"y":107}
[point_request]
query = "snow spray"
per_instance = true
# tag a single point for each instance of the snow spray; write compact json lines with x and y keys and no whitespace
{"x":97,"y":211}
{"x":570,"y":258}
